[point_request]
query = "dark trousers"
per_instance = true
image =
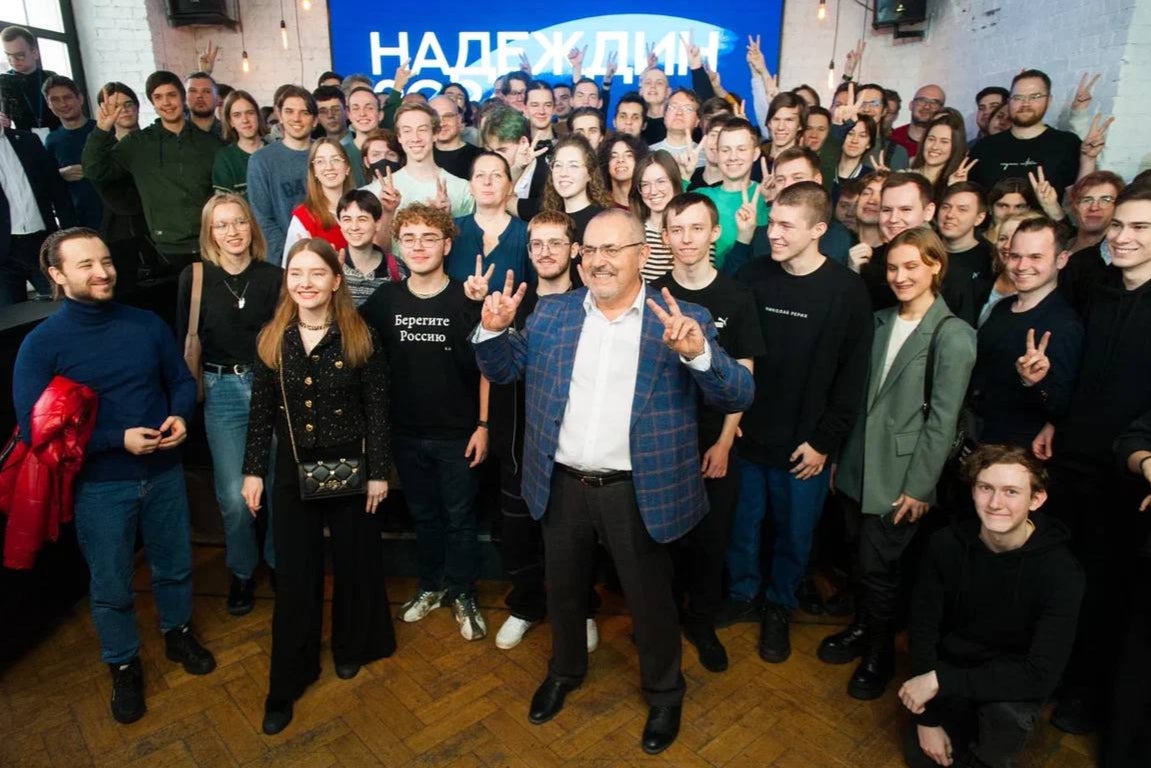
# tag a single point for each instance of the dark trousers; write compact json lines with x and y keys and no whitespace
{"x":699,"y":555}
{"x":577,"y":517}
{"x":521,"y":544}
{"x":1099,"y":508}
{"x":1126,"y":739}
{"x":361,"y":619}
{"x":987,"y":735}
{"x":21,"y":266}
{"x":440,"y":489}
{"x":879,"y":545}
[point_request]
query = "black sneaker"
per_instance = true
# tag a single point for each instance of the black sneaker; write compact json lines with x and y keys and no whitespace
{"x":842,"y":603}
{"x":808,"y":597}
{"x":1073,"y":715}
{"x":182,"y":646}
{"x":735,"y":611}
{"x":712,"y":654}
{"x":128,"y":691}
{"x":774,"y":634}
{"x":241,"y":596}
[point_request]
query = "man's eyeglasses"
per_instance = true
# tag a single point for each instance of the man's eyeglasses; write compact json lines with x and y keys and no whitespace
{"x":929,"y":102}
{"x":871,"y":104}
{"x":608,"y":251}
{"x":331,"y":111}
{"x":1088,"y":201}
{"x":536,"y":247}
{"x":686,"y":109}
{"x":1019,"y":98}
{"x":427,"y":241}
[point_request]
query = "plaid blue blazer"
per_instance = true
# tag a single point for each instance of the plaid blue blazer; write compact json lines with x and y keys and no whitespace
{"x":663,"y":431}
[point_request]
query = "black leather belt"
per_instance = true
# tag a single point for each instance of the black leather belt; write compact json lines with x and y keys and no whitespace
{"x":596,"y":479}
{"x":227,"y":370}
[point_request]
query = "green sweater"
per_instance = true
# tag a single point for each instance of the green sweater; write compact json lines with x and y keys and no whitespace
{"x":173,"y":173}
{"x":230,"y":170}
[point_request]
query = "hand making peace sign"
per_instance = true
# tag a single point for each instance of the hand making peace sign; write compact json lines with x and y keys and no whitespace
{"x":681,"y":333}
{"x":1033,"y":365}
{"x":476,"y":286}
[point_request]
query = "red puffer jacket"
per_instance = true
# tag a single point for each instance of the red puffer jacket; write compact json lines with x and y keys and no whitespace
{"x":37,"y":477}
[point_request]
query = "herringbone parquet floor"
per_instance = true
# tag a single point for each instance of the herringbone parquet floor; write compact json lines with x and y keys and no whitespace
{"x":441,"y":701}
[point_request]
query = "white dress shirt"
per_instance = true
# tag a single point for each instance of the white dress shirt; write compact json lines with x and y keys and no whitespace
{"x":594,"y":434}
{"x":595,"y":431}
{"x":26,"y":218}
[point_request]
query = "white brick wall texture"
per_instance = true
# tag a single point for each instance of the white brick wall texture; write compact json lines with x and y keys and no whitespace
{"x":974,"y":43}
{"x":969,"y":44}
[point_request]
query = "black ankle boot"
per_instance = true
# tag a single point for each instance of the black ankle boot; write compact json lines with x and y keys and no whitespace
{"x":873,"y":674}
{"x":844,"y":647}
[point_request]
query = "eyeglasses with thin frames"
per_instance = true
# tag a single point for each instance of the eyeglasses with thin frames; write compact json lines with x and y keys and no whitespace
{"x":608,"y":251}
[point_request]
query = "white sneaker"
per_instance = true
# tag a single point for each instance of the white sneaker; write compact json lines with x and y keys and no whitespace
{"x":421,"y":605}
{"x":512,"y":632}
{"x":468,"y":616}
{"x":592,"y":635}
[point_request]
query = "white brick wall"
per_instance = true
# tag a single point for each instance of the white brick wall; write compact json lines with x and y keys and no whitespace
{"x":271,"y":65}
{"x":974,"y":43}
{"x":116,"y":44}
{"x":969,"y":44}
{"x":127,"y":40}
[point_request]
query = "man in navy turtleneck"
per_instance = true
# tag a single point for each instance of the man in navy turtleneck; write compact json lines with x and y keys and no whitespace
{"x":132,"y":477}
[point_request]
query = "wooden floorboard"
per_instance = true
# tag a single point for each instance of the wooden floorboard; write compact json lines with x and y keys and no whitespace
{"x":441,"y":701}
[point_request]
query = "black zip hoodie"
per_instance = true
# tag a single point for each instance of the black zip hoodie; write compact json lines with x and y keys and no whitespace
{"x":995,"y":626}
{"x":1114,"y":375}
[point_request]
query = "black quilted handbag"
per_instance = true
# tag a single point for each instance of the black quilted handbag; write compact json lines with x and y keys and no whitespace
{"x":324,"y":478}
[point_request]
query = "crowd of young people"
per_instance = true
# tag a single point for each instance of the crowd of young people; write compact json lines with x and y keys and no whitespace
{"x":733,"y":353}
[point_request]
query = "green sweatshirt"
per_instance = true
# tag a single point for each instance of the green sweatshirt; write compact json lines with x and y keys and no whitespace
{"x":173,"y":173}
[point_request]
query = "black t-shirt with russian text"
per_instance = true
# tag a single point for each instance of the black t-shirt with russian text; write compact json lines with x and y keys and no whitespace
{"x":434,"y":384}
{"x":732,"y":308}
{"x":817,"y":329}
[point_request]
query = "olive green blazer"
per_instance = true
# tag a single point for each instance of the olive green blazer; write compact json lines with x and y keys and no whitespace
{"x":893,"y":449}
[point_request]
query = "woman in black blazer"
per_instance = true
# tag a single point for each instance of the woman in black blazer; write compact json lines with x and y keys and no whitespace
{"x":321,"y":385}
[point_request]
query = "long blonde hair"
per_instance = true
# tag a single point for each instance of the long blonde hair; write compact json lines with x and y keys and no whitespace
{"x":209,"y":251}
{"x":316,"y":201}
{"x":355,"y":338}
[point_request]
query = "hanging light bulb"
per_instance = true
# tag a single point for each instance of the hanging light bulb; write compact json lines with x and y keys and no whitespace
{"x":821,"y":14}
{"x":284,"y":33}
{"x":831,"y":74}
{"x":307,"y":5}
{"x":244,"y":65}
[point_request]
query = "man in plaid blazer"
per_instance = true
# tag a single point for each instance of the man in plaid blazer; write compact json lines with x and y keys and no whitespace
{"x":613,"y":377}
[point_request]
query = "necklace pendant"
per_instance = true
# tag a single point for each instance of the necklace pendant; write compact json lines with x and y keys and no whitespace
{"x":240,"y":303}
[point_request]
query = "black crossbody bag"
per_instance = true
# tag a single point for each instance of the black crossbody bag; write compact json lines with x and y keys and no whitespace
{"x":324,"y":478}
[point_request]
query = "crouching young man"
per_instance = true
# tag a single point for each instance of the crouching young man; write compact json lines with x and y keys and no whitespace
{"x":993,"y":619}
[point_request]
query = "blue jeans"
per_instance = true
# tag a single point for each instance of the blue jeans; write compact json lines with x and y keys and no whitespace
{"x":226,"y":401}
{"x":107,"y":517}
{"x":795,"y":507}
{"x":440,"y":489}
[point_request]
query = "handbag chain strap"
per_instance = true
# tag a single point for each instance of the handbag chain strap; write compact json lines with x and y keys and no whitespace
{"x":287,"y":413}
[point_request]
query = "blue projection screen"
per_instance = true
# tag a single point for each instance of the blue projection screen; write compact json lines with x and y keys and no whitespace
{"x":473,"y":43}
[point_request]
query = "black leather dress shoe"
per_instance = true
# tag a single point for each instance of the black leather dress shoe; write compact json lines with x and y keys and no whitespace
{"x":843,"y":647}
{"x":347,"y":671}
{"x":871,"y":676}
{"x":277,"y":716}
{"x":662,"y":728}
{"x":712,"y":654}
{"x":549,"y":700}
